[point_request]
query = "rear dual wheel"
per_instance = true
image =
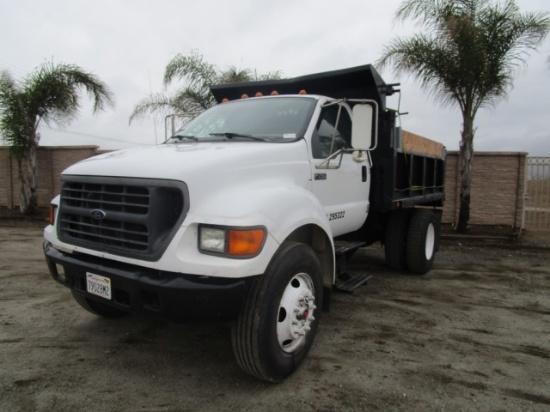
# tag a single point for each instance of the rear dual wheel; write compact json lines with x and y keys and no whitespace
{"x":280,"y":314}
{"x":411,"y":240}
{"x":396,"y":239}
{"x":421,"y":241}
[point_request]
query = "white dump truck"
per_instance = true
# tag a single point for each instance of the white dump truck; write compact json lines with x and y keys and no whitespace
{"x":249,"y":212}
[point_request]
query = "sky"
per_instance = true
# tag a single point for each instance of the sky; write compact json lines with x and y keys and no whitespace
{"x":128,"y":43}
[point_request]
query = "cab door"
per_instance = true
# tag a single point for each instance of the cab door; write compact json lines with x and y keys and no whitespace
{"x":340,"y":181}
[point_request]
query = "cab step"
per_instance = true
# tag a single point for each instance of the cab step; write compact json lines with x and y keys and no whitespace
{"x":344,"y":251}
{"x":344,"y":248}
{"x":352,"y":283}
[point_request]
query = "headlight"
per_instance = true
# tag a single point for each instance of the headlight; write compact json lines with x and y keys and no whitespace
{"x":212,"y":239}
{"x":231,"y":241}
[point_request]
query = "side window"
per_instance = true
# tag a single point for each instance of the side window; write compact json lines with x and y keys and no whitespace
{"x":322,"y":140}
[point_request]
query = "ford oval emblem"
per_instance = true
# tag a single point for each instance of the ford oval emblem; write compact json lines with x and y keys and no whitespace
{"x":98,"y":214}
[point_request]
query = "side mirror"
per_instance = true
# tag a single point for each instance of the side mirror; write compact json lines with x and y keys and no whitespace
{"x":364,"y":130}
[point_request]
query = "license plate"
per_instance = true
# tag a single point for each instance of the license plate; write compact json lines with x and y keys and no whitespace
{"x":98,"y":285}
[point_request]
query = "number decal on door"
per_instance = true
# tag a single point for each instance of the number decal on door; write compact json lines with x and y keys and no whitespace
{"x":336,"y":215}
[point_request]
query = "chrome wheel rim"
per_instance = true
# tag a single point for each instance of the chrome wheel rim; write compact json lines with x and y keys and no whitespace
{"x":430,"y":242}
{"x":295,"y":313}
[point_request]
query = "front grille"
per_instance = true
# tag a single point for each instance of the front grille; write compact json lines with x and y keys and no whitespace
{"x":128,"y":217}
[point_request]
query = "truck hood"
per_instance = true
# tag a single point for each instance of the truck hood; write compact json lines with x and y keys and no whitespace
{"x":189,"y":161}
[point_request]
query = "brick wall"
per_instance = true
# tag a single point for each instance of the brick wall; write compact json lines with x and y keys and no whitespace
{"x":498,"y":185}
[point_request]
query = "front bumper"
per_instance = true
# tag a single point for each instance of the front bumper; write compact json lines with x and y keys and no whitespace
{"x":142,"y":290}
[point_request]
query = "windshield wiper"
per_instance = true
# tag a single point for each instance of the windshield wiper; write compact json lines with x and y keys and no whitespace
{"x":181,"y":137}
{"x":231,"y":135}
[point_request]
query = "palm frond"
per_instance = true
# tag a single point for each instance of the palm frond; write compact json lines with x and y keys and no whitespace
{"x":192,"y":69}
{"x":469,"y":50}
{"x":427,"y":61}
{"x":275,"y":75}
{"x":235,"y":75}
{"x":157,"y":105}
{"x":52,"y":92}
{"x":195,"y":100}
{"x":15,"y":124}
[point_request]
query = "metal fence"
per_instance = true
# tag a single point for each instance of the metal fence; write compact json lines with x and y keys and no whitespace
{"x":537,"y":197}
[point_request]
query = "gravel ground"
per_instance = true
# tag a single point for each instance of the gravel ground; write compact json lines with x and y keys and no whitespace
{"x":473,"y":334}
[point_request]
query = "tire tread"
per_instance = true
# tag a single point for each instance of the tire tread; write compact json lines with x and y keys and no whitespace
{"x":416,"y":255}
{"x":395,"y":242}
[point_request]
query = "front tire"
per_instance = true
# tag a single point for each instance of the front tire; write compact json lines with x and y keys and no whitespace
{"x":421,"y":241}
{"x":280,"y":314}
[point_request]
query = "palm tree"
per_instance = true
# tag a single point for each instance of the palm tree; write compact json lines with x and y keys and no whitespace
{"x":49,"y":95}
{"x":194,"y":96}
{"x":467,"y":56}
{"x":235,"y":75}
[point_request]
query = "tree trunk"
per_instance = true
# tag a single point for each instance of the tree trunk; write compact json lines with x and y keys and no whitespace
{"x":466,"y":165}
{"x":32,"y":207}
{"x":26,"y":165}
{"x":23,"y":193}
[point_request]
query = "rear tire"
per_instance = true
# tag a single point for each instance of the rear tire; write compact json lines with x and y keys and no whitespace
{"x":280,"y":314}
{"x":395,"y":242}
{"x":421,"y":241}
{"x":97,"y":308}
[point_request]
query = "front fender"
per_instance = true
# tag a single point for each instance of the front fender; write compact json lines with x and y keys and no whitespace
{"x":281,"y":209}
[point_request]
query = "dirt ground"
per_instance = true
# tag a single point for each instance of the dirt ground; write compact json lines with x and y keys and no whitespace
{"x":473,"y":334}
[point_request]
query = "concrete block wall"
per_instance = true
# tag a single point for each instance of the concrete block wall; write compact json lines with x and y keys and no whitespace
{"x":51,"y":161}
{"x":498,"y":188}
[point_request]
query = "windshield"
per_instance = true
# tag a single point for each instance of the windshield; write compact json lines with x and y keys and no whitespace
{"x":266,"y":119}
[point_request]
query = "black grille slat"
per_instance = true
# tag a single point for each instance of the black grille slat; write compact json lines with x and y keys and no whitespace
{"x":114,"y":242}
{"x":110,"y":240}
{"x":129,"y":217}
{"x":108,"y":197}
{"x":144,"y":203}
{"x":106,"y":228}
{"x":114,"y":233}
{"x":114,"y":206}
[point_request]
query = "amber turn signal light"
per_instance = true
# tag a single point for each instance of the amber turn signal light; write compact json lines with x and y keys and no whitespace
{"x":51,"y":219}
{"x":245,"y":242}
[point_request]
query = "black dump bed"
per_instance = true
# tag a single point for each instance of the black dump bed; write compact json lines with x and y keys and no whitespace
{"x":401,"y":177}
{"x":361,"y":82}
